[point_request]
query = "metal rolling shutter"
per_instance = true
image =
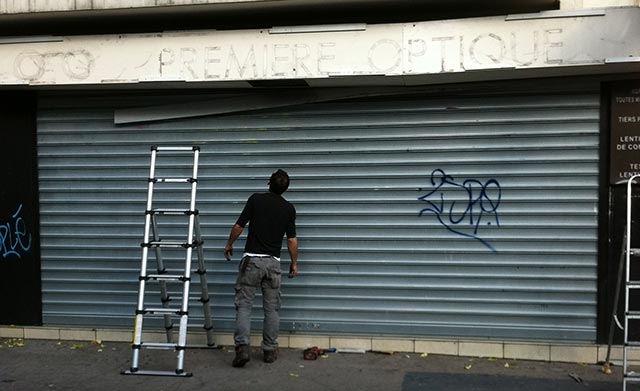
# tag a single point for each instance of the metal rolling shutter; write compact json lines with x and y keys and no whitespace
{"x":505,"y":246}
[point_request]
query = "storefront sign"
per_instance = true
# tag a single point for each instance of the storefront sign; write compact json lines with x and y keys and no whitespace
{"x":421,"y":48}
{"x":625,"y":131}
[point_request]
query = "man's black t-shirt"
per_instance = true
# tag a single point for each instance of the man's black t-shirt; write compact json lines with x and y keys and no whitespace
{"x":271,"y":217}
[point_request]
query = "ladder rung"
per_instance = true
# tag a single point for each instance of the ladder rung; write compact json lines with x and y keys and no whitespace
{"x":162,"y":310}
{"x":158,"y":345}
{"x":172,"y":180}
{"x":142,"y":372}
{"x":173,"y":211}
{"x":167,"y":243}
{"x":633,"y":315}
{"x":165,"y":277}
{"x":634,"y":251}
{"x":172,"y":243}
{"x":191,"y":149}
{"x":633,"y":284}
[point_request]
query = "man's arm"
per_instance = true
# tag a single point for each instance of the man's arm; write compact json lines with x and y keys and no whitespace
{"x":292,"y":246}
{"x":235,"y":233}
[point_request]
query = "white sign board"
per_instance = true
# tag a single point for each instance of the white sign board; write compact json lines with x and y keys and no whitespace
{"x":391,"y":49}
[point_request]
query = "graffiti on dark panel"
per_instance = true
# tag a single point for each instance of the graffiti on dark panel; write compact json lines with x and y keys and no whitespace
{"x":463,"y":207}
{"x":15,"y":240}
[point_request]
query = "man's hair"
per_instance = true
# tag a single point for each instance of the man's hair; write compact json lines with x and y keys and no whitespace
{"x":279,"y":182}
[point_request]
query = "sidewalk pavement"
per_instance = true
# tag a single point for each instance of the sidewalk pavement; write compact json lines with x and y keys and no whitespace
{"x":34,"y":365}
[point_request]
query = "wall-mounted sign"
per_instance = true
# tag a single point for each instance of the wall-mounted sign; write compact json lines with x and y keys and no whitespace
{"x":625,"y":131}
{"x":410,"y":49}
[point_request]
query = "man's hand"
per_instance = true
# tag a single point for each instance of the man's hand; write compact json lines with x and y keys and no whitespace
{"x":228,"y":252}
{"x":233,"y":235}
{"x":293,"y":271}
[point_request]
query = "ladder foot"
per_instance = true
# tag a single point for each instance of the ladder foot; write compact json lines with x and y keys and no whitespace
{"x":130,"y":371}
{"x":158,"y":373}
{"x":181,"y":372}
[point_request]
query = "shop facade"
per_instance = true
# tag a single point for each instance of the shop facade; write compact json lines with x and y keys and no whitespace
{"x":448,"y":185}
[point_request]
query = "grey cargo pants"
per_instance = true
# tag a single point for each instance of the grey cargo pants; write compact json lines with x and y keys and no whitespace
{"x":263,"y":272}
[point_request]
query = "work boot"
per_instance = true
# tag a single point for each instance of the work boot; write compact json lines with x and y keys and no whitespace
{"x":242,"y":356}
{"x":270,"y":356}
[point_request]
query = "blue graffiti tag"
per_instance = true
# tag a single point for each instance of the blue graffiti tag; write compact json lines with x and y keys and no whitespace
{"x":463,"y":217}
{"x":14,"y":237}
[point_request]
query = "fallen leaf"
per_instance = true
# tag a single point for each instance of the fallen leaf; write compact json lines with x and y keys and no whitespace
{"x":467,"y":367}
{"x":14,"y":342}
{"x":506,"y":365}
{"x":583,"y":364}
{"x":294,"y":375}
{"x":99,"y":350}
{"x":492,"y":359}
{"x":324,"y":356}
{"x":77,"y":346}
{"x":424,"y":355}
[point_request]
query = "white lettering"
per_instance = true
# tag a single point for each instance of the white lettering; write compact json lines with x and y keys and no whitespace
{"x":280,"y":60}
{"x":250,"y":60}
{"x":549,"y":44}
{"x":167,"y":57}
{"x":324,"y":58}
{"x":443,"y":51}
{"x":29,"y":66}
{"x":534,"y":50}
{"x":211,"y":54}
{"x":491,"y":42}
{"x":187,"y":58}
{"x":627,"y":99}
{"x":298,"y":60}
{"x":413,"y":52}
{"x":378,"y":56}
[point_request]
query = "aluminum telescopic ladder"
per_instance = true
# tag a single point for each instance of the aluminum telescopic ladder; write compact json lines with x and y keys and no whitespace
{"x":629,"y":314}
{"x":163,"y":278}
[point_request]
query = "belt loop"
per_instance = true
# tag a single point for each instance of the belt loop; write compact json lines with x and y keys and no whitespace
{"x":244,"y":262}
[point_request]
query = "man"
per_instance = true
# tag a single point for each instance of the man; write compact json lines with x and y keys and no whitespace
{"x":270,"y":217}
